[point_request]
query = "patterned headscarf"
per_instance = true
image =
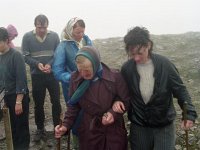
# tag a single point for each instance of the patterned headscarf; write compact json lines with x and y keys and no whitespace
{"x":67,"y":31}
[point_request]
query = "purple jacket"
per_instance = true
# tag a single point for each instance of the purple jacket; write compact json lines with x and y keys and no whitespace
{"x":98,"y":100}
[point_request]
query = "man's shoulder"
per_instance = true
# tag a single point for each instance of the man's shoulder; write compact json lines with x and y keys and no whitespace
{"x":160,"y":58}
{"x":52,"y":32}
{"x":128,"y":63}
{"x":28,"y":34}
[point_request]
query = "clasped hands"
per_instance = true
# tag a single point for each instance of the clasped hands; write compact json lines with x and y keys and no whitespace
{"x":107,"y":119}
{"x":44,"y":68}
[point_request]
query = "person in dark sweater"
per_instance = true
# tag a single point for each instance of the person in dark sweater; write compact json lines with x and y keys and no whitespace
{"x":153,"y":81}
{"x":13,"y":80}
{"x":38,"y":47}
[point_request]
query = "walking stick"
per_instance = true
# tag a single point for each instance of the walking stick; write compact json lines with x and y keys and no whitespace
{"x":59,"y":139}
{"x":6,"y":118}
{"x":68,"y":140}
{"x":8,"y":131}
{"x":1,"y":103}
{"x":185,"y":120}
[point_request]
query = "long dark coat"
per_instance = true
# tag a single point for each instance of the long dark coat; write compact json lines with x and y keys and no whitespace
{"x":96,"y":101}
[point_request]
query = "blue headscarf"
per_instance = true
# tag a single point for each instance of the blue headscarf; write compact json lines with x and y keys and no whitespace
{"x":92,"y":54}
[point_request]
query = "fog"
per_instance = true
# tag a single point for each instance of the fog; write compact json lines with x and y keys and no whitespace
{"x":104,"y":18}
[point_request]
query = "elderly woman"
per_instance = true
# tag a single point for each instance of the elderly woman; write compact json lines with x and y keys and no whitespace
{"x":93,"y":90}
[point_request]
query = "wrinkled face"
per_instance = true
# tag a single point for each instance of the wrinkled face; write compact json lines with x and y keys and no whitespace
{"x":41,"y":30}
{"x":139,"y":54}
{"x":85,"y":68}
{"x":78,"y":33}
{"x":3,"y":46}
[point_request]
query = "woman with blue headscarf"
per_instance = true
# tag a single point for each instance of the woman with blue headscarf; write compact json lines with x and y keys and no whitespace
{"x":94,"y":87}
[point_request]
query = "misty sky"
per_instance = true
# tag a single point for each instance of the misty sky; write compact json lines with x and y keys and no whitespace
{"x":104,"y":18}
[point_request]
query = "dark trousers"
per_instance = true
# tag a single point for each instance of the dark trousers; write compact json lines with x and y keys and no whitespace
{"x":19,"y":123}
{"x":40,"y":83}
{"x":146,"y":138}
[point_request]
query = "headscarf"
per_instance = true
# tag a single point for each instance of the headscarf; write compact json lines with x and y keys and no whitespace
{"x":12,"y":31}
{"x":93,"y":55}
{"x":67,"y":31}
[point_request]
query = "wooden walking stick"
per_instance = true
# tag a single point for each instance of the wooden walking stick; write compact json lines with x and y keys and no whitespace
{"x":8,"y":131}
{"x":59,"y":139}
{"x":185,"y":121}
{"x":58,"y":146}
{"x":68,"y":140}
{"x":6,"y":118}
{"x":1,"y":103}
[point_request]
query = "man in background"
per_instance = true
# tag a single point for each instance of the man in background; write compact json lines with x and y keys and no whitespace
{"x":38,"y":47}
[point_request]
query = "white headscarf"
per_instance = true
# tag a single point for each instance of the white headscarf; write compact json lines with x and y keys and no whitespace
{"x":67,"y":31}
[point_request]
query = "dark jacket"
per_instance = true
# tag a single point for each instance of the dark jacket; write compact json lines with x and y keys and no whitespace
{"x":159,"y":111}
{"x":97,"y":100}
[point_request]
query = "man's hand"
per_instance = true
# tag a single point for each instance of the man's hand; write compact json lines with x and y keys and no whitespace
{"x":107,"y":118}
{"x":44,"y":68}
{"x":47,"y":68}
{"x":118,"y":107}
{"x":41,"y":67}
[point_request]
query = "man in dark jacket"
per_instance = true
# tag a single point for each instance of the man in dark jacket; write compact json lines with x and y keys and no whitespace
{"x":153,"y":81}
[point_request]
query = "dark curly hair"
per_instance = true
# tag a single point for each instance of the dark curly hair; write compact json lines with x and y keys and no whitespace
{"x":3,"y":34}
{"x":137,"y":36}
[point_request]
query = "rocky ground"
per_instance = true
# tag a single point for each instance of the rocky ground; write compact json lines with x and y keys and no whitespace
{"x":182,"y":49}
{"x":50,"y":143}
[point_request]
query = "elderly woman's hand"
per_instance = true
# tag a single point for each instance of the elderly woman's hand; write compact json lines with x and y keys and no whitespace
{"x":59,"y":131}
{"x":107,"y":118}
